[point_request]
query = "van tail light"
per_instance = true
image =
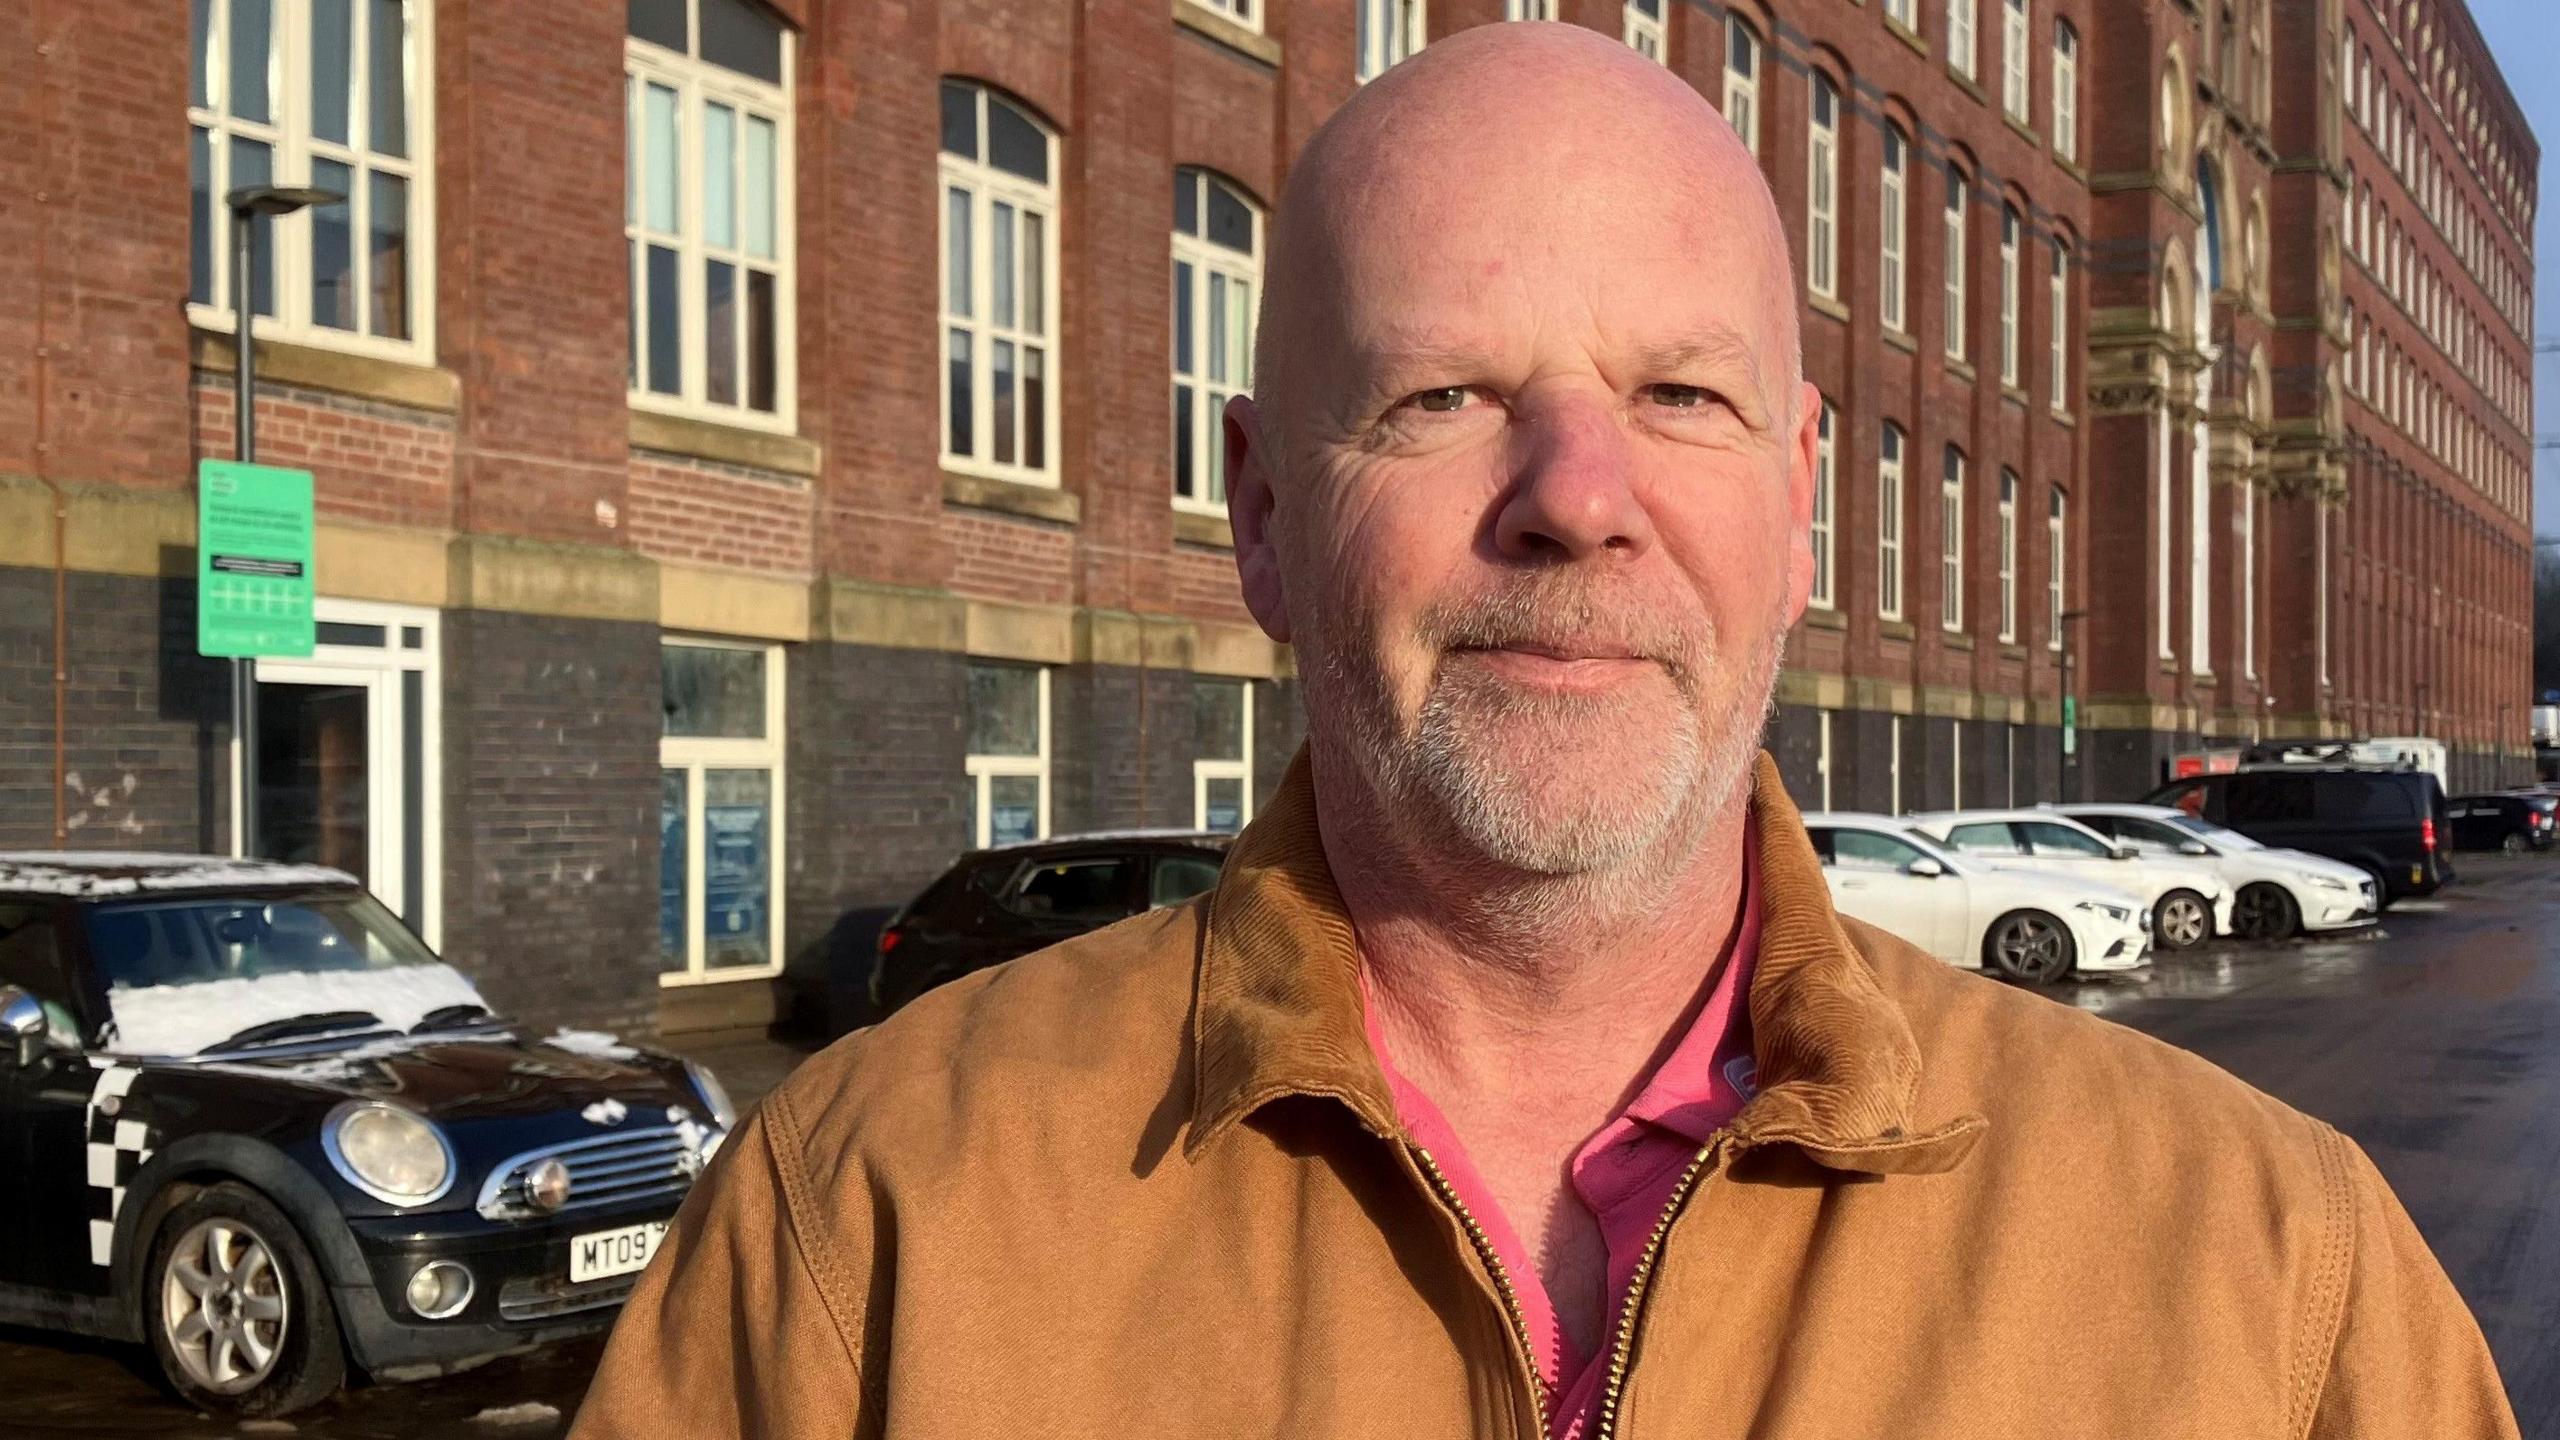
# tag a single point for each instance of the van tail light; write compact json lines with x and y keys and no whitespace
{"x":889,"y":939}
{"x":2427,"y":833}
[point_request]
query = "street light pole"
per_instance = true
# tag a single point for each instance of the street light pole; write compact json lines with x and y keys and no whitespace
{"x":248,"y":205}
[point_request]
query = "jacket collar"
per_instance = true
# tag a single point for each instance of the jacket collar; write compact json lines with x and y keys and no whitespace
{"x":1277,"y":1008}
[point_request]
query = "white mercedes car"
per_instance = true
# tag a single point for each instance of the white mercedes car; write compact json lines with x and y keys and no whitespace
{"x":2189,"y":903}
{"x":2276,"y":894}
{"x":2029,"y":927}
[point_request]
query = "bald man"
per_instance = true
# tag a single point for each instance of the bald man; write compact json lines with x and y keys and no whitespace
{"x":1517,"y":1079}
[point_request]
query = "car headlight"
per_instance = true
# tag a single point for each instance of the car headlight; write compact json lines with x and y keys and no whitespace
{"x":2332,"y":882}
{"x":396,"y":1156}
{"x":2117,"y":913}
{"x":715,"y":1096}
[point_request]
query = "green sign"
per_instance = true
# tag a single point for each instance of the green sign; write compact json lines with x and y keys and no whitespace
{"x":253,"y":560}
{"x":2070,"y":725}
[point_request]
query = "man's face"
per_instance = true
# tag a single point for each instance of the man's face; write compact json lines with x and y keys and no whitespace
{"x":1539,"y":511}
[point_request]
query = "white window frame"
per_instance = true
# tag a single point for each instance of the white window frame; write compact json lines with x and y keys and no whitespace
{"x":1894,"y":755}
{"x":696,"y":755}
{"x":1955,"y":764}
{"x":1528,"y":9}
{"x":698,"y":83}
{"x":2008,"y":556}
{"x":987,"y":186}
{"x":2057,"y":507}
{"x":1741,"y":84}
{"x":2059,"y":294}
{"x":1647,"y":28}
{"x":2066,"y":91}
{"x":1208,"y":403}
{"x":1240,"y":770}
{"x":1825,"y":501}
{"x":983,"y":769}
{"x":291,"y":148}
{"x":1250,"y":19}
{"x":1951,"y":541}
{"x":1905,"y":13}
{"x":1962,"y":41}
{"x":1889,"y":521}
{"x":1822,"y":754}
{"x":1389,"y":31}
{"x":1822,"y":190}
{"x":1893,"y":230}
{"x":2010,"y":227}
{"x":2248,"y":541}
{"x":1959,"y":198}
{"x":2015,"y":95}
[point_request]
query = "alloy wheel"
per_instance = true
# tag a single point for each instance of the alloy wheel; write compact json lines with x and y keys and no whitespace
{"x":224,"y":1306}
{"x":2183,"y":922}
{"x":2031,"y":948}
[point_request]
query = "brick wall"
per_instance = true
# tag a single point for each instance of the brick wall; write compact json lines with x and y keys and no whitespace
{"x":380,"y":463}
{"x":1124,"y":742}
{"x":699,"y":513}
{"x":880,"y":799}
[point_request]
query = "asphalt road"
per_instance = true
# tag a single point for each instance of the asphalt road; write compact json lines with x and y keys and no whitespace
{"x":2435,"y":1042}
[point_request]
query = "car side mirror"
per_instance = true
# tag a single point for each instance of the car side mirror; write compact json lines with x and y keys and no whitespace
{"x":22,"y":1022}
{"x":2120,"y":852}
{"x":1925,"y":867}
{"x":2194,"y":847}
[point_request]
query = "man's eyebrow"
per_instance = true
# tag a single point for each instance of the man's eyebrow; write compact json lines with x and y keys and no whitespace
{"x":1716,"y":350}
{"x":1407,"y":353}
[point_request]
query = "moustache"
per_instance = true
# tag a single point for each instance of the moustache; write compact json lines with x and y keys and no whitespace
{"x":1565,"y":618}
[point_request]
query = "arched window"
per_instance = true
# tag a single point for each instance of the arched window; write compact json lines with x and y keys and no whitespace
{"x":1954,"y":261}
{"x":1742,"y":82}
{"x":1822,"y":191}
{"x":2010,"y":303}
{"x":1390,"y":31}
{"x":2066,"y":91}
{"x":2209,"y":194}
{"x":1644,"y":27}
{"x":999,"y":286}
{"x":1893,"y":227}
{"x":1217,"y":270}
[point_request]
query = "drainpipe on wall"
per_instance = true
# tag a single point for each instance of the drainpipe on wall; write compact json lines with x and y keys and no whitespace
{"x":43,"y":454}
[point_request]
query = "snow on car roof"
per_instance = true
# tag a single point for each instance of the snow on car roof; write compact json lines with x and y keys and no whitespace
{"x":97,"y":874}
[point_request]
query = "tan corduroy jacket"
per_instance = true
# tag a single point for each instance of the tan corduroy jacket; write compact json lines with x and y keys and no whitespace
{"x":1150,"y":1183}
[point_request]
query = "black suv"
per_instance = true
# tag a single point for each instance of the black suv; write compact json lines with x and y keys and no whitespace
{"x":249,"y":1119}
{"x":2514,"y":821}
{"x":993,"y":905}
{"x":2392,"y":824}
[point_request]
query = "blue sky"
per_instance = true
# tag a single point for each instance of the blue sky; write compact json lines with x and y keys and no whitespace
{"x":2526,"y":35}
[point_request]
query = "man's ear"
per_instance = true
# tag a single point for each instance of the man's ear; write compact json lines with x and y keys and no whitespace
{"x":1250,"y":500}
{"x":1804,"y":458}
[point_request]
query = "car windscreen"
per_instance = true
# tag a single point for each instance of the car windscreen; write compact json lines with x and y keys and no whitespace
{"x":190,"y":941}
{"x":2206,"y":829}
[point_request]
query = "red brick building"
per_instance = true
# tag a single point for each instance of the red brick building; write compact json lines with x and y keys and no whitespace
{"x":757,"y":459}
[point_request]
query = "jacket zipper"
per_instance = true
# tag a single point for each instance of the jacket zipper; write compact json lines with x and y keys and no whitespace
{"x":1622,"y":1352}
{"x":1517,"y":1318}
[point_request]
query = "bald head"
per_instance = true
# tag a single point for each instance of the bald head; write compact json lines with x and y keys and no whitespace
{"x":1507,"y":137}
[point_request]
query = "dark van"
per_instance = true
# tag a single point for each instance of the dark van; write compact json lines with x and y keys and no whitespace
{"x":2390,"y":823}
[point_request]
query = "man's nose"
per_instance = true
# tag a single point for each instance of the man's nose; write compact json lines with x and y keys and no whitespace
{"x":1573,"y":494}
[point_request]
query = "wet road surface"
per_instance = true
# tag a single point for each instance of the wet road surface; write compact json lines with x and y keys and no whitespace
{"x":2434,"y":1042}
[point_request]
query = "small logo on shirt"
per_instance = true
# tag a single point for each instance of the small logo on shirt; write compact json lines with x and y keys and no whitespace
{"x":1742,"y":1072}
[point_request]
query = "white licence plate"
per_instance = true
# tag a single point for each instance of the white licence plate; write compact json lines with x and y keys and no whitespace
{"x":602,"y":1254}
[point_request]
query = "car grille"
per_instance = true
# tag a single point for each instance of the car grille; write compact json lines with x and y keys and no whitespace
{"x":546,"y":1298}
{"x":608,"y":1170}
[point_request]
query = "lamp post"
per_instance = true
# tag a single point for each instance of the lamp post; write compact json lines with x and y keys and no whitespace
{"x":248,"y":205}
{"x":2066,"y":734}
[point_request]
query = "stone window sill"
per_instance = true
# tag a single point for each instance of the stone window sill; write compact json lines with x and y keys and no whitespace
{"x":1011,"y":497}
{"x":1956,"y":640}
{"x":1968,"y":85}
{"x":2065,"y":419}
{"x":1904,"y":33}
{"x":1825,"y":618}
{"x":1895,"y":629}
{"x":1901,"y":340}
{"x":1961,"y":369}
{"x":1244,"y":40}
{"x":418,"y":387}
{"x":2024,"y":130}
{"x":727,"y":444}
{"x":2014,"y":395}
{"x":1191,"y":527}
{"x":2073,"y":169}
{"x":2010,"y":650}
{"x":1824,"y":304}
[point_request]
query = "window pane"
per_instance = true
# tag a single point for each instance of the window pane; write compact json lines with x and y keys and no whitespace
{"x":763,"y":343}
{"x":332,"y":69}
{"x":250,"y":165}
{"x":1014,"y":144}
{"x":251,"y":47}
{"x":1186,"y":200}
{"x":1035,"y":273}
{"x":1230,"y":220}
{"x":719,"y":176}
{"x":957,"y":254}
{"x":333,"y":250}
{"x":1000,"y":392}
{"x":1182,"y":430}
{"x":387,"y":204}
{"x":737,"y":867}
{"x":1013,"y":806}
{"x":1096,"y":890}
{"x":631,"y":317}
{"x":660,"y":124}
{"x":1004,"y":710}
{"x":666,"y":327}
{"x":1217,"y":328}
{"x":200,"y":36}
{"x":1217,"y":719}
{"x":1035,"y":409}
{"x":674,"y":870}
{"x":712,"y":691}
{"x":387,"y":84}
{"x":960,"y":119}
{"x":738,"y":36}
{"x":1000,"y":268}
{"x":1224,"y":809}
{"x":958,"y":403}
{"x":1182,"y":361}
{"x":720,"y":331}
{"x":660,"y":22}
{"x":761,"y":136}
{"x":1240,"y":330}
{"x":199,"y":216}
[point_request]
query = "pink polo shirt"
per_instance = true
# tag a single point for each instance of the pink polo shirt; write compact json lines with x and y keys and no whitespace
{"x":1624,"y":1175}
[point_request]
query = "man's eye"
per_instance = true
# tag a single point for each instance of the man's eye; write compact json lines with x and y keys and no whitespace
{"x":1681,"y":397}
{"x":1446,"y":398}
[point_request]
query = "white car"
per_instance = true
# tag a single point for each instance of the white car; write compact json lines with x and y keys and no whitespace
{"x":2276,"y":894}
{"x":2189,"y":903}
{"x":2029,"y":927}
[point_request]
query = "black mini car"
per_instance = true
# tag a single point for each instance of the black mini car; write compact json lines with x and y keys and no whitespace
{"x":247,"y":1118}
{"x":994,"y":905}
